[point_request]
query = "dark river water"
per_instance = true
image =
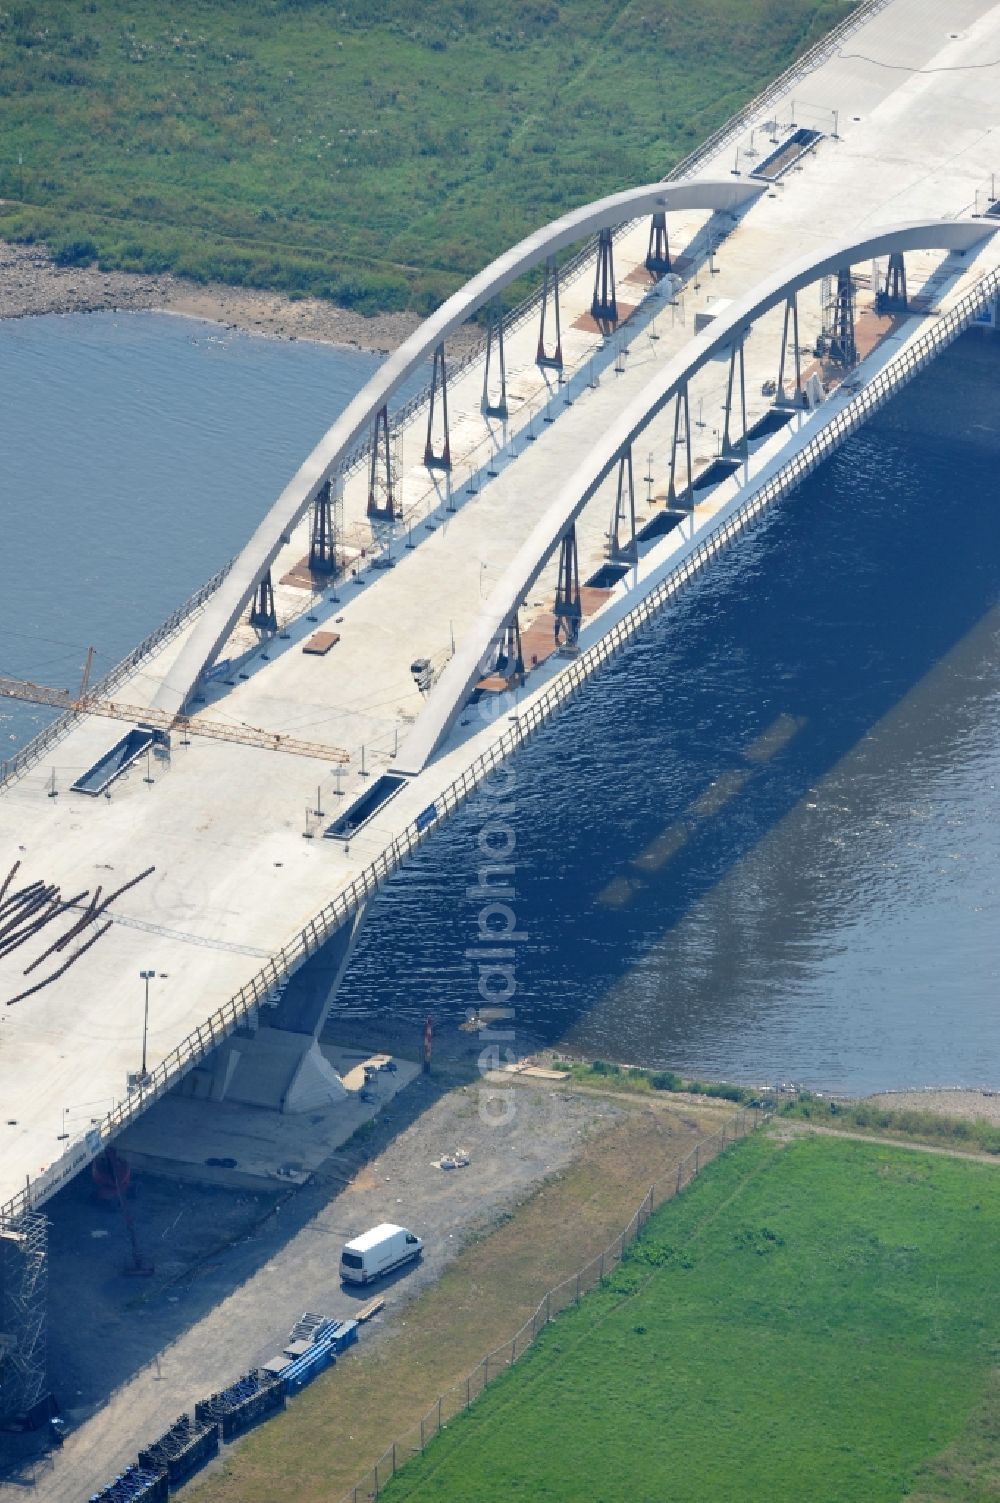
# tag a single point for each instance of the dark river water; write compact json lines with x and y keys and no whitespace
{"x":763,"y":844}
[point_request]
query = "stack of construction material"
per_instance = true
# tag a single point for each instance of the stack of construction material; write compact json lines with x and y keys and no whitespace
{"x":137,"y":1484}
{"x":252,"y":1398}
{"x":182,"y":1449}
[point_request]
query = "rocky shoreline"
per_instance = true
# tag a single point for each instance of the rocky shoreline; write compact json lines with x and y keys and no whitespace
{"x":31,"y":283}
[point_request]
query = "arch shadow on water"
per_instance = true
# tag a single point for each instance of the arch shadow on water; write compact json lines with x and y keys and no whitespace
{"x":676,"y":908}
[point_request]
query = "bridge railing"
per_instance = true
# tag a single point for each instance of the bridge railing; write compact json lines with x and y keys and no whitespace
{"x":568,"y":682}
{"x":12,"y":767}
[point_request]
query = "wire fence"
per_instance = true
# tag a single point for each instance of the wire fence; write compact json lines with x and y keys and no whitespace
{"x":460,"y":1396}
{"x":342,"y":909}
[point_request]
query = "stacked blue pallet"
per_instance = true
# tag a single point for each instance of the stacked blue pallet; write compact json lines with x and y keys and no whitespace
{"x":320,"y":1354}
{"x":345,"y":1334}
{"x":330,"y":1338}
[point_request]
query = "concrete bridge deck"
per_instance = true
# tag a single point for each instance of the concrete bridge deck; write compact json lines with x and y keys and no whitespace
{"x":918,"y":136}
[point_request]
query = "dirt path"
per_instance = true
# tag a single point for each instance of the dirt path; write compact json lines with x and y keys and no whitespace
{"x":785,"y":1128}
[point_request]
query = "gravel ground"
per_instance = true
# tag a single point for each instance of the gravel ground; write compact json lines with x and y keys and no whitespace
{"x":234,"y":1273}
{"x":947,"y":1103}
{"x":30,"y":283}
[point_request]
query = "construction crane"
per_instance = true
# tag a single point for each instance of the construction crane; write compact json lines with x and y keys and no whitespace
{"x":160,"y":720}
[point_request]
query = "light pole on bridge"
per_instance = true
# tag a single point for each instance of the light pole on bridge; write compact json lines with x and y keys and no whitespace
{"x":147,"y":977}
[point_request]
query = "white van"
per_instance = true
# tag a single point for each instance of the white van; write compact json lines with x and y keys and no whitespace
{"x":378,"y":1252}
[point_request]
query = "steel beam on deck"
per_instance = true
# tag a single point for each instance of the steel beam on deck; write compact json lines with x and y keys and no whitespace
{"x":658,"y":254}
{"x":624,"y":510}
{"x":439,"y":378}
{"x":568,"y":606}
{"x":604,"y":306}
{"x":262,"y":612}
{"x":494,"y":330}
{"x":322,"y":538}
{"x":542,"y":357}
{"x":381,"y":499}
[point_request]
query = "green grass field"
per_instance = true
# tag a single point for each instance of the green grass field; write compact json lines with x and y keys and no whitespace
{"x":373,"y":154}
{"x":816,"y":1321}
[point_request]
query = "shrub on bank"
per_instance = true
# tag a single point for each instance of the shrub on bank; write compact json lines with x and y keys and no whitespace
{"x":634,"y":1077}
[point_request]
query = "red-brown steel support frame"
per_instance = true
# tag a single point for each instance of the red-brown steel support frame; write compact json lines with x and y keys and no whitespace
{"x":322,"y":542}
{"x":568,"y":606}
{"x":542,"y":357}
{"x":439,"y":377}
{"x":381,"y":451}
{"x":604,"y":306}
{"x":658,"y":254}
{"x":262,"y":612}
{"x":625,"y":491}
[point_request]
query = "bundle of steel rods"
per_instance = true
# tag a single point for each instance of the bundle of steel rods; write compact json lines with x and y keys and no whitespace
{"x":26,"y":911}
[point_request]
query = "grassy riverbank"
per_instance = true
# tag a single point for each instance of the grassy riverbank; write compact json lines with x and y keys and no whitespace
{"x":813,"y":1319}
{"x":373,"y":157}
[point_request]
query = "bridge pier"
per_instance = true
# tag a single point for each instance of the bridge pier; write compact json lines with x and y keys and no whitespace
{"x":542,"y":358}
{"x":322,"y":537}
{"x":494,"y":329}
{"x":658,"y":254}
{"x":568,"y":607}
{"x":434,"y":460}
{"x":625,"y":494}
{"x":279,"y":1064}
{"x":381,"y":499}
{"x":604,"y":305}
{"x":262,"y":612}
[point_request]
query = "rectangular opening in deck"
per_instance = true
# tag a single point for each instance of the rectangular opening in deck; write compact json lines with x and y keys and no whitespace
{"x":364,"y":808}
{"x":773,"y":420}
{"x":784,"y":157}
{"x":121,"y":756}
{"x":719,"y":469}
{"x":660,"y":523}
{"x":607,"y":576}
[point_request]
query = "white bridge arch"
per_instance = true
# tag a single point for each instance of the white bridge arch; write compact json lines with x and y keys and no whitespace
{"x":237,"y":589}
{"x":460,"y":675}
